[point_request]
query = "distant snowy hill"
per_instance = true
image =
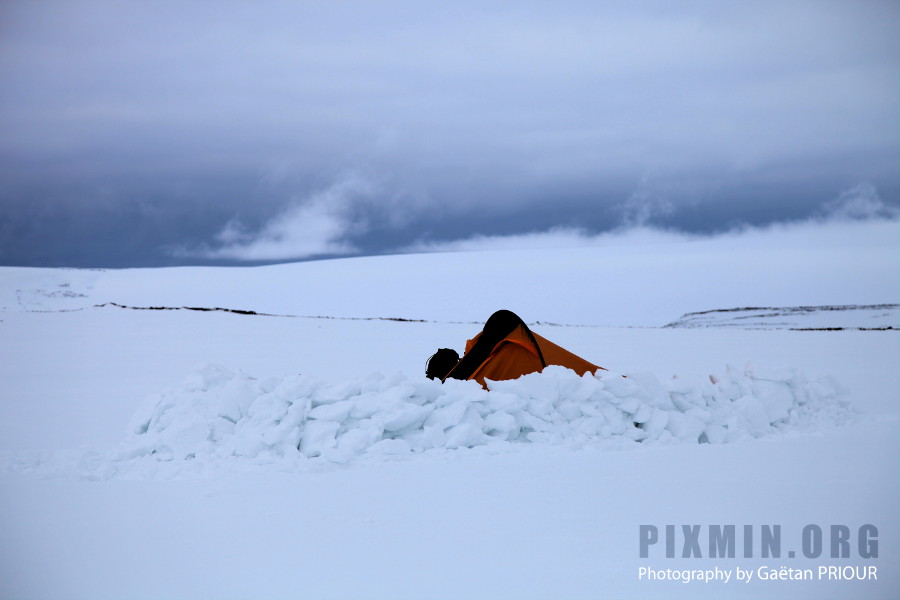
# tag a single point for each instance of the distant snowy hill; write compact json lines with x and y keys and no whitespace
{"x":864,"y":318}
{"x":639,"y":278}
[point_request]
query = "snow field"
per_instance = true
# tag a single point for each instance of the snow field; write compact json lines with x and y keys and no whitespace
{"x":538,"y":507}
{"x":219,"y":414}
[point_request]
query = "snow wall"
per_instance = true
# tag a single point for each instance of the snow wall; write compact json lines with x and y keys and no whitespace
{"x":219,"y":414}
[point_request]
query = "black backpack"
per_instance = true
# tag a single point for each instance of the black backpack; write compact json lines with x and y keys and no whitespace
{"x":441,"y":363}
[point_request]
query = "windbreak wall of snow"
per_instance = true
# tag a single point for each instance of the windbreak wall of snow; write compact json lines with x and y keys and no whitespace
{"x":224,"y":415}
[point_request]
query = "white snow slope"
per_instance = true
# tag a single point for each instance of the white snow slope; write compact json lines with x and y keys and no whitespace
{"x":209,"y":454}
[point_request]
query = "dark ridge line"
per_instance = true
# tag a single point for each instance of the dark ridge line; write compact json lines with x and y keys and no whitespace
{"x":325,"y":317}
{"x":885,"y":328}
{"x":254,"y":313}
{"x":395,"y":319}
{"x":236,"y":311}
{"x":741,"y":328}
{"x":673,"y":325}
{"x":795,"y":309}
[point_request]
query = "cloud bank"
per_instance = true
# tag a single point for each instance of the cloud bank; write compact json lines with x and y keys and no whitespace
{"x":860,"y":203}
{"x":130,"y":128}
{"x":853,"y":209}
{"x":321,"y":224}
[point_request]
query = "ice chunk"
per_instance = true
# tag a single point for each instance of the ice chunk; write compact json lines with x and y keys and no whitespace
{"x":357,"y":440}
{"x":775,"y":396}
{"x":501,"y":425}
{"x":318,"y":436}
{"x":448,"y":416}
{"x":619,"y":386}
{"x":685,"y":427}
{"x":390,"y":446}
{"x":337,"y":411}
{"x":754,"y":413}
{"x":406,"y":416}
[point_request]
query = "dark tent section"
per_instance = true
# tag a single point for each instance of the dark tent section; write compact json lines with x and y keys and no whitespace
{"x":507,"y":349}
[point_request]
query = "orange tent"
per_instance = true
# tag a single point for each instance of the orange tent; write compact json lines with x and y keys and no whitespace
{"x":506,"y":349}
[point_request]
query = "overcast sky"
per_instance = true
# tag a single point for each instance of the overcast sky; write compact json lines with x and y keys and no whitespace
{"x":156,"y":133}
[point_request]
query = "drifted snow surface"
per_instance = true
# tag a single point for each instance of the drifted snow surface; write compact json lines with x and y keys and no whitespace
{"x":223,"y":415}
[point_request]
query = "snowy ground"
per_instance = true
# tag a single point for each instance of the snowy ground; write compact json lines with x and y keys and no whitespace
{"x":89,"y":512}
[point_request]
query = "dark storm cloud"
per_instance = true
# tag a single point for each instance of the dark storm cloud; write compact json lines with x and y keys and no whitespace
{"x":146,"y":132}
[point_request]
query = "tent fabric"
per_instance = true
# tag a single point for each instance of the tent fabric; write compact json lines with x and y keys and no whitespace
{"x":500,"y":325}
{"x":508,"y":349}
